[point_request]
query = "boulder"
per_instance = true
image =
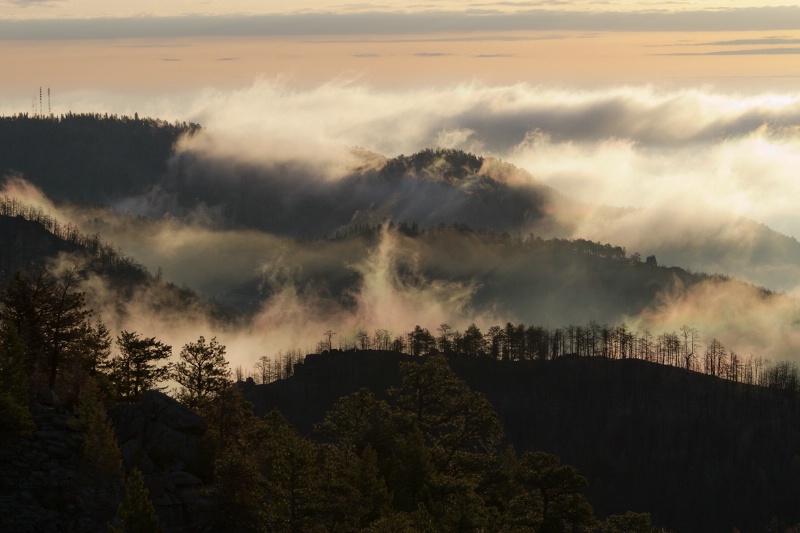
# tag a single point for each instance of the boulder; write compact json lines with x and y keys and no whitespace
{"x":160,"y":436}
{"x":48,"y":397}
{"x":157,"y":432}
{"x":172,"y":413}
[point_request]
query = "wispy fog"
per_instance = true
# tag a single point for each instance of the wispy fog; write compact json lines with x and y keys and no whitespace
{"x":690,"y":160}
{"x":698,"y":178}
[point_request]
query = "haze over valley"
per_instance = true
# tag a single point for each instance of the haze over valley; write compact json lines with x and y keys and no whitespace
{"x":299,"y":238}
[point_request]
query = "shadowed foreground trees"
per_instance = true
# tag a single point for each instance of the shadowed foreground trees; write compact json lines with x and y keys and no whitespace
{"x":51,"y":341}
{"x":136,"y":513}
{"x":698,"y":452}
{"x":427,"y":461}
{"x":552,"y":501}
{"x":51,"y":319}
{"x":15,"y":418}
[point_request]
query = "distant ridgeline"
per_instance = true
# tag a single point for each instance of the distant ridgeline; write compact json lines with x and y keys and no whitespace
{"x":682,"y":349}
{"x":88,"y":158}
{"x":598,"y":249}
{"x":429,"y":187}
{"x":29,"y":237}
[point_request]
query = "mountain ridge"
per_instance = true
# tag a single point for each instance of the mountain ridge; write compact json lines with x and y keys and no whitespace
{"x":138,"y":166}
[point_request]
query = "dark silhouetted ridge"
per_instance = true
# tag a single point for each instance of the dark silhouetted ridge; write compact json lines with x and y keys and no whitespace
{"x":698,"y":452}
{"x":88,"y":158}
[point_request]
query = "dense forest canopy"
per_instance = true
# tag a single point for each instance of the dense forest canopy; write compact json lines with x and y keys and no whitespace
{"x":88,"y":158}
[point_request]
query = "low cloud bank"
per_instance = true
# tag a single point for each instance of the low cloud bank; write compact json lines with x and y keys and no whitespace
{"x":689,"y":176}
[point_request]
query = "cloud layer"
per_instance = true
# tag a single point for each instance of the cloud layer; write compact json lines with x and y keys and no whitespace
{"x":396,"y":22}
{"x":678,"y":168}
{"x":690,"y":176}
{"x":688,"y":154}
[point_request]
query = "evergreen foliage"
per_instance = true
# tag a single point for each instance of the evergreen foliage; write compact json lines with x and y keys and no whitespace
{"x":202,"y":372}
{"x":138,"y":367}
{"x":288,"y":464}
{"x":15,"y":417}
{"x":51,"y":317}
{"x":237,"y":493}
{"x":629,"y":522}
{"x":100,"y":451}
{"x":553,"y":501}
{"x":136,"y":513}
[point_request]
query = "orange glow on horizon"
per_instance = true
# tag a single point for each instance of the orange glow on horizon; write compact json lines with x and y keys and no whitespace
{"x":566,"y":58}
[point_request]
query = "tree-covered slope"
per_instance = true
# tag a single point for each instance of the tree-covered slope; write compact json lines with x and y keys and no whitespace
{"x":88,"y":158}
{"x":697,"y":452}
{"x":429,"y":188}
{"x":32,"y":240}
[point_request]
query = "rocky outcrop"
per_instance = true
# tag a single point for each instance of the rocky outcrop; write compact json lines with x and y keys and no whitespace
{"x":161,"y":437}
{"x":47,"y":485}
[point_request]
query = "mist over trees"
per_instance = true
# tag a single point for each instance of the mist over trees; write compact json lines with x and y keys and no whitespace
{"x":424,"y":456}
{"x":430,"y":187}
{"x":265,"y":474}
{"x":151,"y":171}
{"x":423,"y":448}
{"x":525,"y":275}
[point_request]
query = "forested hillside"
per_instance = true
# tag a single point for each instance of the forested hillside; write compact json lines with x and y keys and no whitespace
{"x":156,"y":169}
{"x":697,"y":452}
{"x":525,"y":276}
{"x":88,"y":158}
{"x":462,"y":310}
{"x":427,"y":461}
{"x":32,"y":240}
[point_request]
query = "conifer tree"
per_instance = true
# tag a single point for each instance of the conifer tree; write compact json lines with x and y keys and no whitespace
{"x":554,"y":500}
{"x":101,"y":464}
{"x":138,"y":367}
{"x":97,"y":347}
{"x":289,"y":467}
{"x":100,"y":451}
{"x":15,"y":417}
{"x":51,"y":318}
{"x":136,"y":513}
{"x":202,"y":372}
{"x":454,"y":419}
{"x":237,"y":494}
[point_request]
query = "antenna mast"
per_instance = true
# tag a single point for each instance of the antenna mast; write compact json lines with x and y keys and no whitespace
{"x":49,"y":109}
{"x":40,"y":101}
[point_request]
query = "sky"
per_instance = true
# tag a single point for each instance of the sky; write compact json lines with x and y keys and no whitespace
{"x":687,"y":112}
{"x":158,"y":48}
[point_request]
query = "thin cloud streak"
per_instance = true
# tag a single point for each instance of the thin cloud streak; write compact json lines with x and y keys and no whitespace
{"x":398,"y":23}
{"x":748,"y":52}
{"x":750,"y":42}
